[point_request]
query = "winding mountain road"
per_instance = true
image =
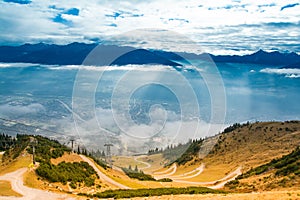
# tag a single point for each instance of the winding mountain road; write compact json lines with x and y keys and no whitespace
{"x":16,"y":180}
{"x":163,"y":174}
{"x":102,"y":175}
{"x":217,"y":184}
{"x":148,"y":165}
{"x":187,"y":175}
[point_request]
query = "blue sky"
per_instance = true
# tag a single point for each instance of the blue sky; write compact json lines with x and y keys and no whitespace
{"x":219,"y":26}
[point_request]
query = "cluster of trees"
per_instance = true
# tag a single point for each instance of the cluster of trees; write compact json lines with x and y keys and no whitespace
{"x":45,"y":149}
{"x":136,"y":174}
{"x":17,"y":146}
{"x":77,"y":172}
{"x":153,"y":192}
{"x":98,"y":154}
{"x":232,"y":127}
{"x":171,"y":152}
{"x":140,"y":175}
{"x":168,"y":149}
{"x":235,"y":126}
{"x":6,"y":142}
{"x":191,"y":152}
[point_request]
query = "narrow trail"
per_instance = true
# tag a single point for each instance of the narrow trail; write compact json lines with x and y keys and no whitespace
{"x":166,"y":171}
{"x":102,"y":175}
{"x":163,"y":175}
{"x":16,"y":180}
{"x":210,"y":184}
{"x":148,"y":165}
{"x":199,"y":170}
{"x":227,"y":178}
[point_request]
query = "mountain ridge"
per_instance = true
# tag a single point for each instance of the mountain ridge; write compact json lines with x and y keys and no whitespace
{"x":76,"y":53}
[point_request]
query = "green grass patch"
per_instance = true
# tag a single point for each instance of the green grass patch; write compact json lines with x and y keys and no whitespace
{"x":153,"y":192}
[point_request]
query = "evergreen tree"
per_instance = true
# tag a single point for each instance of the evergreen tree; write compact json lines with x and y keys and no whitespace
{"x":136,"y":169}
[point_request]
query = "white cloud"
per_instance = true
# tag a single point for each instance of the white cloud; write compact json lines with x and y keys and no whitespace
{"x":140,"y":137}
{"x":112,"y":68}
{"x":214,"y":25}
{"x":288,"y":72}
{"x":16,"y":110}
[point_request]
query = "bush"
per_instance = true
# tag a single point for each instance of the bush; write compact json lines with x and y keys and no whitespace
{"x":73,"y":185}
{"x":164,"y":180}
{"x":138,"y":175}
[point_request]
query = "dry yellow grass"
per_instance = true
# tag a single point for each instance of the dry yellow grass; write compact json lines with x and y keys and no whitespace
{"x":268,"y":181}
{"x":282,"y":195}
{"x":213,"y":173}
{"x":31,"y":180}
{"x":1,"y":155}
{"x":120,"y":177}
{"x":249,"y":146}
{"x":125,"y":161}
{"x":256,"y":144}
{"x":156,"y":161}
{"x":67,"y":158}
{"x":23,"y":160}
{"x":6,"y":190}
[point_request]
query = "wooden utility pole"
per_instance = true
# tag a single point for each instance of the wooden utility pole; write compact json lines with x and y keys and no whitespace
{"x":33,"y":142}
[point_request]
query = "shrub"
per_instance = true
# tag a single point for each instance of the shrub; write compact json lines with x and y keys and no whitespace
{"x":138,"y":175}
{"x":164,"y":180}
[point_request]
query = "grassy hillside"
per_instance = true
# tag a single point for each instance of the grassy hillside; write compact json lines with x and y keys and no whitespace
{"x":251,"y":145}
{"x":56,"y":164}
{"x":241,"y":145}
{"x":283,"y":172}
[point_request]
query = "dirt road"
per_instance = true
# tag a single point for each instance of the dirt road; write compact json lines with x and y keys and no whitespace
{"x":16,"y":180}
{"x":102,"y":175}
{"x":220,"y":183}
{"x":187,"y":175}
{"x":148,"y":165}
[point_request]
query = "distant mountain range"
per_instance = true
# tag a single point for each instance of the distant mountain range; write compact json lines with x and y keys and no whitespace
{"x":75,"y":54}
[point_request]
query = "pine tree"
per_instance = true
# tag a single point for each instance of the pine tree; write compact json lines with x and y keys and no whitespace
{"x":78,"y":150}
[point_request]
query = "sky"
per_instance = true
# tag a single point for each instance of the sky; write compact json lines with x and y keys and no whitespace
{"x":219,"y":26}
